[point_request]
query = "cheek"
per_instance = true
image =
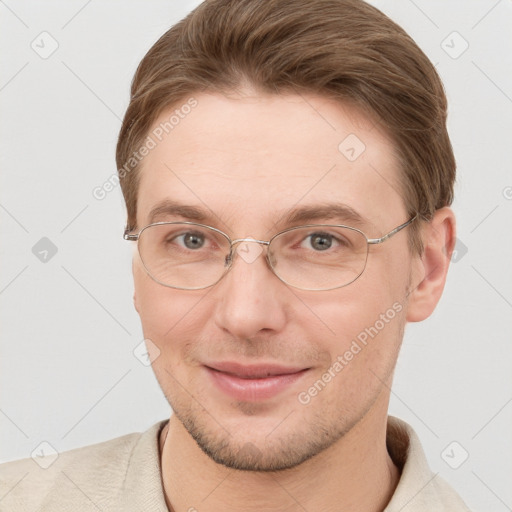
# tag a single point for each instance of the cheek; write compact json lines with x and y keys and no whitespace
{"x":165,"y":313}
{"x":368,"y":329}
{"x":150,"y":298}
{"x":365,"y":347}
{"x":364,"y":321}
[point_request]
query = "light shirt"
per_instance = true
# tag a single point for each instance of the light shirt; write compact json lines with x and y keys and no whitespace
{"x":124,"y":475}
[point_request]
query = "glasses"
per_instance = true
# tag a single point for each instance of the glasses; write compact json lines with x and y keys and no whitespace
{"x":315,"y":257}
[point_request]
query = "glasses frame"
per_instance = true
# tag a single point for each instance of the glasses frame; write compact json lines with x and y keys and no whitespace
{"x":134,"y":237}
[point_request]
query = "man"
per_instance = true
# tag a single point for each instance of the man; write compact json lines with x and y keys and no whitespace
{"x":288,"y":176}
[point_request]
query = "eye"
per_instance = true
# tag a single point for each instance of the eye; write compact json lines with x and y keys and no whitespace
{"x":191,"y":240}
{"x":320,"y":241}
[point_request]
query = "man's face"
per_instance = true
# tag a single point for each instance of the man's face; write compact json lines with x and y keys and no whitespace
{"x":247,"y":161}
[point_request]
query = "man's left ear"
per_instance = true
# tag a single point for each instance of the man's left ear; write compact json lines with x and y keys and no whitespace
{"x":432,"y":267}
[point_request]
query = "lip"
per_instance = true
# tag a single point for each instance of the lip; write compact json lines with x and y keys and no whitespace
{"x":253,"y":382}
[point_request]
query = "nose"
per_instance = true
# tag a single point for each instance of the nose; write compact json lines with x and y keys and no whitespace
{"x":250,"y":298}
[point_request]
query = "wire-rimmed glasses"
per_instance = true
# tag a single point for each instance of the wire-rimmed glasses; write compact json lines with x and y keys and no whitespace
{"x":314,"y":257}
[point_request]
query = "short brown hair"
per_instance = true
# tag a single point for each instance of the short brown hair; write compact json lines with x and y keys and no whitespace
{"x":343,"y":49}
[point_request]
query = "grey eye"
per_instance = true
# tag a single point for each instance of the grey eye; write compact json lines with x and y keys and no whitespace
{"x":193,"y":240}
{"x":321,"y":241}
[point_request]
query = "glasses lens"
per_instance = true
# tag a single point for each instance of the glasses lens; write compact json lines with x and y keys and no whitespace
{"x":185,"y":256}
{"x":319,"y":257}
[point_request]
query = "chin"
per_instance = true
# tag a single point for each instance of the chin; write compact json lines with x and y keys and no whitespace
{"x":255,"y":444}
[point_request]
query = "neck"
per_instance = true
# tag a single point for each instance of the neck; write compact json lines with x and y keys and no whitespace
{"x":356,"y":473}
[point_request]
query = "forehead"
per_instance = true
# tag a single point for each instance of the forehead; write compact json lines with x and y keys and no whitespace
{"x":248,"y":161}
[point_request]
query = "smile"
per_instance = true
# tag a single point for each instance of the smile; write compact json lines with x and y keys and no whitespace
{"x":253,"y":383}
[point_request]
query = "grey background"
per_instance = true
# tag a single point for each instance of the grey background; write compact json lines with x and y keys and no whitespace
{"x":68,"y":374}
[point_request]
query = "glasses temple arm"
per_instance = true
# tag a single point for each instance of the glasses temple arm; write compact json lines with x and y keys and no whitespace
{"x":392,"y":232}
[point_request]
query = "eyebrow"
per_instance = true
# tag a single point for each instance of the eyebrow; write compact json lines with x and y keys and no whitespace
{"x":303,"y":214}
{"x":324,"y":211}
{"x":170,"y":208}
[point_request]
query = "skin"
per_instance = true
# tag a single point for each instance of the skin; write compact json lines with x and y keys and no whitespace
{"x":248,"y":157}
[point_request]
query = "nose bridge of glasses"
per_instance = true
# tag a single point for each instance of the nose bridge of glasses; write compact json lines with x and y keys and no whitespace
{"x":238,"y":240}
{"x":246,"y":252}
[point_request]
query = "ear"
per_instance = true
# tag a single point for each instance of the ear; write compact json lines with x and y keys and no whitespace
{"x":431,"y":268}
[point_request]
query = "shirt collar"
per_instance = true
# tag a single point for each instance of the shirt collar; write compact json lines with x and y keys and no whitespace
{"x":419,"y":489}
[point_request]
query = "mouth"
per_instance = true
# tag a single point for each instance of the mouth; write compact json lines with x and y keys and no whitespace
{"x":253,"y":382}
